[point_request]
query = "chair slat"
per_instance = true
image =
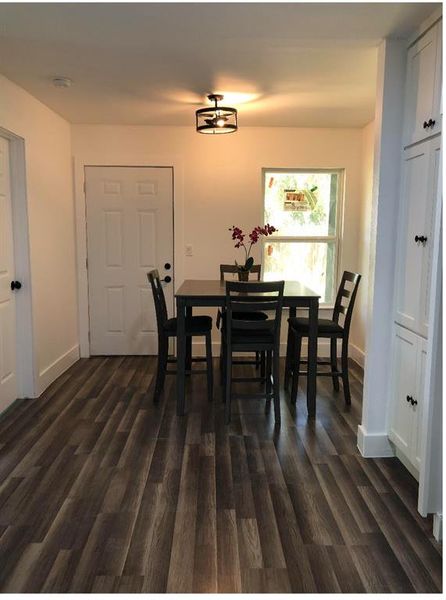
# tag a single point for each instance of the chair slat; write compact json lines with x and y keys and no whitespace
{"x":348,"y":276}
{"x":253,"y":306}
{"x":238,"y":324}
{"x":231,"y":269}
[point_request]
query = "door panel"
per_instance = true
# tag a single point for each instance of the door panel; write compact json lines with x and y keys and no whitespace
{"x":412,"y":219}
{"x":426,"y":269}
{"x":418,"y":408}
{"x":404,"y":385}
{"x":420,"y":86}
{"x":8,"y":378}
{"x":129,"y":232}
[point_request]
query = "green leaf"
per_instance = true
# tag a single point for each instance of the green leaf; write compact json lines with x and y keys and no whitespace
{"x":249,"y":263}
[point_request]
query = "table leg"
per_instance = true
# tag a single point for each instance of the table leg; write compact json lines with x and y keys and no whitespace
{"x":312,"y":356}
{"x":188,"y":343}
{"x":181,"y":355}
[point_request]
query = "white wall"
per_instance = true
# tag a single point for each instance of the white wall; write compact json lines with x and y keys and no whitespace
{"x":49,"y":186}
{"x":361,"y":313}
{"x":372,"y":433}
{"x":222,"y":183}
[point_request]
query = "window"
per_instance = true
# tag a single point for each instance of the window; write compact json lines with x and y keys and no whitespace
{"x":304,"y":205}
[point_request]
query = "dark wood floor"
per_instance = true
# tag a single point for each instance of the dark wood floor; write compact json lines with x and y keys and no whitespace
{"x":100,"y":491}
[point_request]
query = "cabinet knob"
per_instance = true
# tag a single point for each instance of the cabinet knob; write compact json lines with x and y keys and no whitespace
{"x":409,"y":399}
{"x":425,"y":125}
{"x":431,"y":123}
{"x":413,"y":402}
{"x":420,"y":238}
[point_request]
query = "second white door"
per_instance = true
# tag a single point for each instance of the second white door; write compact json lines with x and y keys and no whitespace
{"x":8,"y":349}
{"x":129,"y":232}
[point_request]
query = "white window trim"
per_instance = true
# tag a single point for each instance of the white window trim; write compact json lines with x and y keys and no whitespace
{"x":337,"y":239}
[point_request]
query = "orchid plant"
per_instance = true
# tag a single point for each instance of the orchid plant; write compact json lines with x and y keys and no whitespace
{"x":239,"y":237}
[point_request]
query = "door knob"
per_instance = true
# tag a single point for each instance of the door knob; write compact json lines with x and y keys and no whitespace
{"x":167,"y":279}
{"x":15,"y":285}
{"x":167,"y":266}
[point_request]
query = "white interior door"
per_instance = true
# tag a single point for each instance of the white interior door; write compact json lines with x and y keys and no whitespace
{"x":129,"y":232}
{"x":8,"y":349}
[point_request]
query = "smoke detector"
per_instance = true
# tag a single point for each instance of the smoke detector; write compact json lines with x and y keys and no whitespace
{"x":62,"y":82}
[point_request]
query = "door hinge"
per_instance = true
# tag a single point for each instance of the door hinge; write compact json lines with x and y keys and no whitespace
{"x":86,"y":263}
{"x":85,"y":187}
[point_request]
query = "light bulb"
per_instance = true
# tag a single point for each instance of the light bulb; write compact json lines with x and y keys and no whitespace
{"x":220,"y":123}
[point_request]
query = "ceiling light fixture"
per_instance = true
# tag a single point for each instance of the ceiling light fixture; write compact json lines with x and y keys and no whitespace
{"x":216,"y":119}
{"x":62,"y":82}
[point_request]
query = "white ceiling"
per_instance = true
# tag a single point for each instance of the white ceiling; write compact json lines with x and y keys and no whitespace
{"x":281,"y":64}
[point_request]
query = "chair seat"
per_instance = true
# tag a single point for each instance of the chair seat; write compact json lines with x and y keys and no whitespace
{"x":194,"y":325}
{"x":301,"y":325}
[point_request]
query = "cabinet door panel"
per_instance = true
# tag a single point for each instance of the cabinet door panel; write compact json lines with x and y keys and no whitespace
{"x":421,"y":86}
{"x":418,"y":408}
{"x":412,"y":218}
{"x":403,"y":386}
{"x":426,"y":267}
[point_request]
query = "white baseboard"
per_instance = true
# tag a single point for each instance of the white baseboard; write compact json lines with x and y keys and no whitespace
{"x":374,"y":445}
{"x":56,"y":368}
{"x":438,"y":526}
{"x":406,"y":462}
{"x":356,"y":354}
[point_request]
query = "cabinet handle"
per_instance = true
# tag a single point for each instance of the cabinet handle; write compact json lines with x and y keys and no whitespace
{"x":409,"y":399}
{"x":431,"y":123}
{"x":413,"y":402}
{"x":420,"y":238}
{"x":425,"y":125}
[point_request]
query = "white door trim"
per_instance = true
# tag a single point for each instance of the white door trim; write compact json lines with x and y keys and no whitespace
{"x":95,"y":159}
{"x":27,"y":380}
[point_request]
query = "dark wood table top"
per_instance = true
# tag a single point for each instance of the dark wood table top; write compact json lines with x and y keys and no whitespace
{"x":216,"y":290}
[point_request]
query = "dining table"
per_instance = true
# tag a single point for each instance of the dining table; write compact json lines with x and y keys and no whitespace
{"x":212,"y":293}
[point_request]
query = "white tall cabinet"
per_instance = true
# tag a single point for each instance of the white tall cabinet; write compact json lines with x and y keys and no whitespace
{"x":421,"y":151}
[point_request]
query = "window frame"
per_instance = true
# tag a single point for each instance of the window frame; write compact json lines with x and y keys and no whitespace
{"x":336,"y":239}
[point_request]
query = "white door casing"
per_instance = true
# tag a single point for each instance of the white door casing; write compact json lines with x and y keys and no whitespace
{"x":8,"y":377}
{"x":129,"y":232}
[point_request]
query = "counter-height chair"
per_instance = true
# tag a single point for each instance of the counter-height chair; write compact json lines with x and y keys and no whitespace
{"x":338,"y":327}
{"x":195,"y":326}
{"x":245,"y":335}
{"x":255,"y":274}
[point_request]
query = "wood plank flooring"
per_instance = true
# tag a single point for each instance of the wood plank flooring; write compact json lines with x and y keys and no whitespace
{"x":101,"y":491}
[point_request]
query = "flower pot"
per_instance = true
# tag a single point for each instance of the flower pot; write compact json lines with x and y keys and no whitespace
{"x":243,"y":275}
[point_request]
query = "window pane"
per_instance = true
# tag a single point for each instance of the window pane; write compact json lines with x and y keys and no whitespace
{"x":311,"y":263}
{"x":301,"y":204}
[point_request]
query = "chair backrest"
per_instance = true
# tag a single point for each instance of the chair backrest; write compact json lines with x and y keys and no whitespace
{"x":245,"y":296}
{"x":231,"y":269}
{"x":345,"y":299}
{"x":158,"y":298}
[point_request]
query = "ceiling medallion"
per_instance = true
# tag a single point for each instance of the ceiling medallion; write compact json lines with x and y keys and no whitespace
{"x":216,"y":119}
